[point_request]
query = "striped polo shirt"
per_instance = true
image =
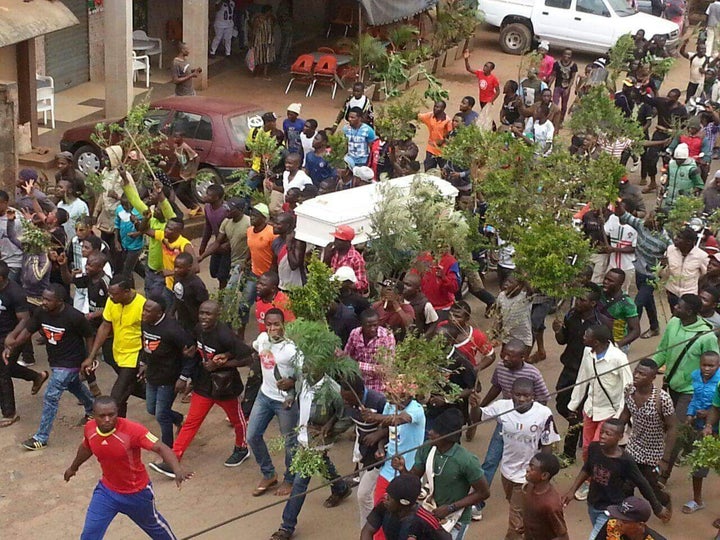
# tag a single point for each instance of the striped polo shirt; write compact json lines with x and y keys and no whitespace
{"x":504,"y":378}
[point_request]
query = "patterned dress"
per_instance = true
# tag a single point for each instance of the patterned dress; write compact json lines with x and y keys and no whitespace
{"x":263,"y":40}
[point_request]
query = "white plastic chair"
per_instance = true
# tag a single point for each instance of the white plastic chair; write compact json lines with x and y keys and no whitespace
{"x":46,"y":98}
{"x":141,"y":63}
{"x":140,"y":35}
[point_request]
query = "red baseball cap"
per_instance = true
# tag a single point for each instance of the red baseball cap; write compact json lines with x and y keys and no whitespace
{"x":344,"y":232}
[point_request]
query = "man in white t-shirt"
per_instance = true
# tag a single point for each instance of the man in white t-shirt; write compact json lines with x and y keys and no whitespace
{"x":307,"y":135}
{"x":621,"y":253}
{"x":525,"y":430}
{"x":699,"y":62}
{"x":280,"y":362}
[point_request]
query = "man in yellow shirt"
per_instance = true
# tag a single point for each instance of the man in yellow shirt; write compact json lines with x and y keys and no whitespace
{"x":122,"y":316}
{"x":173,"y":244}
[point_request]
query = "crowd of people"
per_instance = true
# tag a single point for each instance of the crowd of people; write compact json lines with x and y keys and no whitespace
{"x":69,"y":262}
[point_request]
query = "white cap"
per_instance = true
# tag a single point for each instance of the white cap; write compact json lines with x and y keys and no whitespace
{"x":364,"y":173}
{"x":295,"y":107}
{"x":344,"y":273}
{"x":681,"y":151}
{"x":544,"y":45}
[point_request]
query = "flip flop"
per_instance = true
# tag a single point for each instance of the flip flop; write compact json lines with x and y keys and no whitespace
{"x":716,"y":523}
{"x":692,"y":507}
{"x":37,"y":385}
{"x":649,"y":333}
{"x":7,"y":422}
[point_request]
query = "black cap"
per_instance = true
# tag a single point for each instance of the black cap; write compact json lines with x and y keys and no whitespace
{"x":632,"y":509}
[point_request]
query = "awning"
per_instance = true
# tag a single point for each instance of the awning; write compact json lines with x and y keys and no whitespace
{"x":386,"y":11}
{"x":20,"y":21}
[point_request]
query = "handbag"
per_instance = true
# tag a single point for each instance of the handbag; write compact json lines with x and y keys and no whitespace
{"x":428,"y":502}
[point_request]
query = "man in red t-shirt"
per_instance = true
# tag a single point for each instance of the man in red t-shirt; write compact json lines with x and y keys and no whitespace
{"x":268,"y":297}
{"x":472,"y":341}
{"x":125,"y":485}
{"x":488,"y":84}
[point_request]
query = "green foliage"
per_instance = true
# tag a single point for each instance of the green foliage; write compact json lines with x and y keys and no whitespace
{"x":418,"y":367}
{"x":551,"y":256}
{"x":658,"y":66}
{"x":417,"y":55}
{"x":456,"y":20}
{"x":395,"y":242}
{"x":596,"y":113}
{"x":684,"y":210}
{"x":393,"y":120}
{"x":620,"y":55}
{"x":34,"y":239}
{"x":706,"y":453}
{"x":435,"y":91}
{"x":394,"y":76}
{"x":367,"y":51}
{"x":423,"y":221}
{"x":229,"y":299}
{"x":93,"y":182}
{"x":401,"y":36}
{"x":308,"y":462}
{"x":135,"y":127}
{"x":312,"y":301}
{"x":337,"y":142}
{"x":266,"y":147}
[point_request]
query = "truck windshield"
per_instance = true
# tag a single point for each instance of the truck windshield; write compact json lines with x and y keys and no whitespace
{"x":621,"y":8}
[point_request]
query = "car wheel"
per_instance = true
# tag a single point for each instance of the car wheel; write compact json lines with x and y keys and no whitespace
{"x":515,"y":38}
{"x":87,"y":159}
{"x":204,"y":178}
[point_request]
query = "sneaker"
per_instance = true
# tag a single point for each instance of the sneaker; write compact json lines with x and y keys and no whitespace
{"x":162,"y":468}
{"x":476,"y":513}
{"x":34,"y":444}
{"x":85,"y":419}
{"x":336,"y":498}
{"x":635,"y":165}
{"x":30,"y":362}
{"x":237,"y":457}
{"x":582,"y":493}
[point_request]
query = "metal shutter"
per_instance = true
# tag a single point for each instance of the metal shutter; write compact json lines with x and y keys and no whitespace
{"x":66,"y":51}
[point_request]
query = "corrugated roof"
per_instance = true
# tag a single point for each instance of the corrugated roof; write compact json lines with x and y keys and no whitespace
{"x":20,"y":21}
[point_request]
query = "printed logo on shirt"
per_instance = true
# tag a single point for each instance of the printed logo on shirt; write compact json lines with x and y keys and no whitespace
{"x":206,"y":353}
{"x":53,"y":334}
{"x":150,"y":342}
{"x":601,"y":475}
{"x":2,"y":307}
{"x":482,"y":84}
{"x":179,"y":290}
{"x":267,"y":359}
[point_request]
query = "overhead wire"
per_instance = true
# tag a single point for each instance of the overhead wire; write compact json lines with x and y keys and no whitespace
{"x":428,"y":442}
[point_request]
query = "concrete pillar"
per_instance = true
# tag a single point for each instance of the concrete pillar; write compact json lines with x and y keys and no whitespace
{"x":118,"y":57}
{"x":195,"y":34}
{"x":27,"y":87}
{"x":8,"y":137}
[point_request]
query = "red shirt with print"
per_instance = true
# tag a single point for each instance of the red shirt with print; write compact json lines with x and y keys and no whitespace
{"x":486,"y":86}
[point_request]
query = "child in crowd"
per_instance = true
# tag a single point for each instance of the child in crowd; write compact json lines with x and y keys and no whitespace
{"x":542,"y":506}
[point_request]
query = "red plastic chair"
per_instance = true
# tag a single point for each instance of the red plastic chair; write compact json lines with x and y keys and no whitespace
{"x":325,"y":72}
{"x":302,"y":69}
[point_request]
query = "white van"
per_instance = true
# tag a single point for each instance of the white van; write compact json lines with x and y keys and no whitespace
{"x":581,"y":25}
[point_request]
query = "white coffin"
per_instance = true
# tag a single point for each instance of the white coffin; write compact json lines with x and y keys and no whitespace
{"x":317,"y":218}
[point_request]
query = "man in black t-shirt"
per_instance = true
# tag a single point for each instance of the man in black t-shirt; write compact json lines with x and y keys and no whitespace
{"x":400,"y":517}
{"x":68,"y":335}
{"x":190,"y":292}
{"x":14,"y":311}
{"x":165,"y":345}
{"x":216,"y":381}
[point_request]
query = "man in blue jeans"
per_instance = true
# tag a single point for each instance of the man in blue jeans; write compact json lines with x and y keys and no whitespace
{"x":280,"y":362}
{"x":165,"y":346}
{"x":68,"y":335}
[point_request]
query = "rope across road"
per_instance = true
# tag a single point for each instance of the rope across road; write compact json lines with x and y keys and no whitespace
{"x":278,"y":502}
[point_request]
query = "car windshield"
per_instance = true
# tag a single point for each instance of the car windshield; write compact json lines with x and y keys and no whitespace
{"x":621,"y":8}
{"x":239,"y":127}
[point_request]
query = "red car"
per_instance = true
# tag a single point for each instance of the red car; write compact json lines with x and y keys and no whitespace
{"x":215,"y":128}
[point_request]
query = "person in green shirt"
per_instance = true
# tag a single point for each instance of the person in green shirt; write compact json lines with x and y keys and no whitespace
{"x":617,"y":310}
{"x":154,"y":279}
{"x":459,"y":482}
{"x":687,"y":336}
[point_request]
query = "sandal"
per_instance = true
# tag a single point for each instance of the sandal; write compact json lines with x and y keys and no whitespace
{"x":264,"y":485}
{"x":281,"y":534}
{"x":336,"y":498}
{"x":7,"y":422}
{"x":716,"y":523}
{"x":38,"y":384}
{"x":692,"y":507}
{"x":650,"y":333}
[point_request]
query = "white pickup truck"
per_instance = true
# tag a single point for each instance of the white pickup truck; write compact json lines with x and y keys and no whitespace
{"x":581,"y":25}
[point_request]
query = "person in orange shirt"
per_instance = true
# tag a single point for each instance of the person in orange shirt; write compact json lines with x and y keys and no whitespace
{"x":439,"y":125}
{"x":260,"y":237}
